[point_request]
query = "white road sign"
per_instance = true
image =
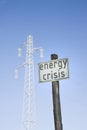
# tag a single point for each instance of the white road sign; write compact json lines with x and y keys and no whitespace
{"x":53,"y":70}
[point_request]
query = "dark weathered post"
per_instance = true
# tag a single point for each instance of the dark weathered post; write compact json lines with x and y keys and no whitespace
{"x":56,"y":101}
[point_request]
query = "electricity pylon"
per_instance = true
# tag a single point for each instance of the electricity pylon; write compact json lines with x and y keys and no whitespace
{"x":29,"y":88}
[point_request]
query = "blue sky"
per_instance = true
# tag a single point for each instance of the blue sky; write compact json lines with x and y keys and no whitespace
{"x":60,"y":27}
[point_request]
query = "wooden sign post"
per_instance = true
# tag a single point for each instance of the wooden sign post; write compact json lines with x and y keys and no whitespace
{"x":56,"y":101}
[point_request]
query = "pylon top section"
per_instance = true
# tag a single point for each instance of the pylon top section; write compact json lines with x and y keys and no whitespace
{"x":29,"y":39}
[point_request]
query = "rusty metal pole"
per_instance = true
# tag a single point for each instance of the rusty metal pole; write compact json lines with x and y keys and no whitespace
{"x":56,"y":101}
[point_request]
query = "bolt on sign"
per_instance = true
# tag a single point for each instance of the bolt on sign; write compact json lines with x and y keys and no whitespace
{"x":53,"y":70}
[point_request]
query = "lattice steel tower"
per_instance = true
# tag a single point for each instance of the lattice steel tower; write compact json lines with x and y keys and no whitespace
{"x":29,"y":88}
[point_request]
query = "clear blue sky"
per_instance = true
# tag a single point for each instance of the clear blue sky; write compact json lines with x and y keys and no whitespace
{"x":59,"y":26}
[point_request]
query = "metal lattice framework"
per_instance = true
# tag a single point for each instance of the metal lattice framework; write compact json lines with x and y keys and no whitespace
{"x":28,"y":118}
{"x":28,"y":112}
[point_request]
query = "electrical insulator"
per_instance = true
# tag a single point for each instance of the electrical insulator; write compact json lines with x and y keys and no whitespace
{"x":41,"y":53}
{"x":16,"y":73}
{"x":19,"y":52}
